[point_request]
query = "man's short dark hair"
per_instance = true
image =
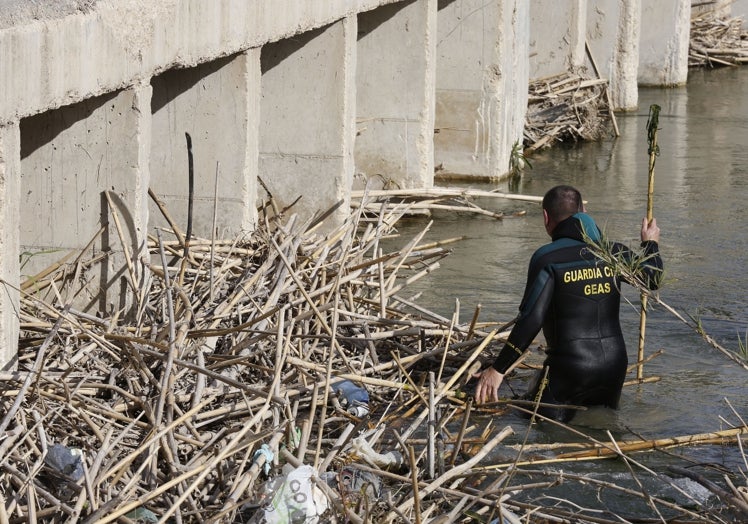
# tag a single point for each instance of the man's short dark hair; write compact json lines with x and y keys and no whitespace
{"x":561,"y":202}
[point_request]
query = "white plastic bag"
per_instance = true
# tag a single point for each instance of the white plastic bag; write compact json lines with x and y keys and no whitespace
{"x":297,"y":500}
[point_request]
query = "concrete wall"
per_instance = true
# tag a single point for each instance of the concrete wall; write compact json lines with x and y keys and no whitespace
{"x":395,"y":95}
{"x":663,"y":48}
{"x":722,"y":8}
{"x":10,"y":177}
{"x":306,"y":116}
{"x":740,"y":8}
{"x":557,"y":33}
{"x":613,"y":30}
{"x":481,"y":84}
{"x":71,"y":159}
{"x":211,"y":102}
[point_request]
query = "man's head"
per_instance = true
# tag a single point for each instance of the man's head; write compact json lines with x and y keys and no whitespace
{"x":559,"y":203}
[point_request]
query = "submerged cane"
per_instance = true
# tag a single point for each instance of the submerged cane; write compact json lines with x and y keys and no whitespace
{"x":654,"y":150}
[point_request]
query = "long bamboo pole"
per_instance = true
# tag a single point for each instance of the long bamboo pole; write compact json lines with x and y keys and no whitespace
{"x":654,"y":150}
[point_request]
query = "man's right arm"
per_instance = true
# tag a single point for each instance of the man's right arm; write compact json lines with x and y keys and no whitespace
{"x":532,"y":313}
{"x":529,"y":322}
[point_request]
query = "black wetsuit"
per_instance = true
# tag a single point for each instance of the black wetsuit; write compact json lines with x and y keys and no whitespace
{"x":575,"y":297}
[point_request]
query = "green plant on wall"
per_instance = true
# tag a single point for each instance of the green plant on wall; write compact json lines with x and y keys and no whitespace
{"x":517,"y":163}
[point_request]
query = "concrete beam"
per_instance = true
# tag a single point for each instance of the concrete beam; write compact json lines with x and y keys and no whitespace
{"x":510,"y":94}
{"x":67,"y":56}
{"x":663,"y":49}
{"x":10,"y":176}
{"x":395,"y":95}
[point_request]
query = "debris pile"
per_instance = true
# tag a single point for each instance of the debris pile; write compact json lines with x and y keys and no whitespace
{"x":282,"y":376}
{"x":566,"y":107}
{"x":285,"y":347}
{"x":717,"y":41}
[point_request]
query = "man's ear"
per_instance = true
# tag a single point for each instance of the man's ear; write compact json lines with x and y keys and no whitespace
{"x":546,"y":218}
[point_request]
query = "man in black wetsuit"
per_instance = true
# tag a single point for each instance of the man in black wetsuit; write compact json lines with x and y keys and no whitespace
{"x":575,"y":297}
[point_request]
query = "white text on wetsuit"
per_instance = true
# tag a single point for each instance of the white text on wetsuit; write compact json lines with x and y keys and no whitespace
{"x":590,"y":273}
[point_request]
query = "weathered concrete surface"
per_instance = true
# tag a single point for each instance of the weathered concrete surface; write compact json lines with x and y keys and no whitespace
{"x":663,"y":48}
{"x":10,"y":177}
{"x":71,"y":159}
{"x":557,"y":32}
{"x":88,"y":52}
{"x":210,"y":102}
{"x":18,"y":12}
{"x":306,"y":115}
{"x":395,"y":73}
{"x":481,"y":85}
{"x":719,"y":7}
{"x":613,"y":29}
{"x":740,"y":8}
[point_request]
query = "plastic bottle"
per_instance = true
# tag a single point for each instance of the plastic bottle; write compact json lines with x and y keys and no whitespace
{"x":353,"y":398}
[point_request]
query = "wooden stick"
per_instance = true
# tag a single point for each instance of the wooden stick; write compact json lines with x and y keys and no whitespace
{"x":414,"y":478}
{"x":639,"y":445}
{"x":190,"y":204}
{"x":654,"y":150}
{"x":445,"y":191}
{"x":431,"y":427}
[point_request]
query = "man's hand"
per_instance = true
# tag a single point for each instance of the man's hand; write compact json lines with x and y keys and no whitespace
{"x":650,"y":231}
{"x":487,"y":389}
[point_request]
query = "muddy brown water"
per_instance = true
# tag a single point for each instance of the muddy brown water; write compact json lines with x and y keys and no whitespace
{"x":701,"y":196}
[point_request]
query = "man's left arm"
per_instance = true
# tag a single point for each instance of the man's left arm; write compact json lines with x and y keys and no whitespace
{"x":652,"y":261}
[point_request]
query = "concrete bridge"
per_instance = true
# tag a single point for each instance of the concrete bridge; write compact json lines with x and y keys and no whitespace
{"x":301,"y":98}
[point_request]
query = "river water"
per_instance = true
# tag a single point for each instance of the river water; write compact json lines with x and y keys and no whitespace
{"x":701,"y":195}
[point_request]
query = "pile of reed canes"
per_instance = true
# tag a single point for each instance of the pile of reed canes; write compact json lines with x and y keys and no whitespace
{"x":716,"y":41}
{"x":566,"y":108}
{"x":223,"y":347}
{"x":218,"y":376}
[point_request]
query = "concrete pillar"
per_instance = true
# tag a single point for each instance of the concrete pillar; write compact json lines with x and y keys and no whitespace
{"x":10,"y":175}
{"x":663,"y":49}
{"x":71,"y":159}
{"x":613,"y":29}
{"x":307,"y":115}
{"x":481,"y":85}
{"x":395,"y":94}
{"x":510,"y":96}
{"x":557,"y":34}
{"x":216,"y":103}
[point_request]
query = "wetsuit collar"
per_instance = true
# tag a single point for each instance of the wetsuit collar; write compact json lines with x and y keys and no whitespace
{"x":579,"y":226}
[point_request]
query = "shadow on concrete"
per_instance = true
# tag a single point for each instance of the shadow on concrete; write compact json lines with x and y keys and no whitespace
{"x":170,"y":84}
{"x":275,"y":53}
{"x":369,"y":21}
{"x":39,"y":130}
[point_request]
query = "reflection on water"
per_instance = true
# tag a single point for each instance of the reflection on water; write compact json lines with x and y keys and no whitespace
{"x":701,"y":192}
